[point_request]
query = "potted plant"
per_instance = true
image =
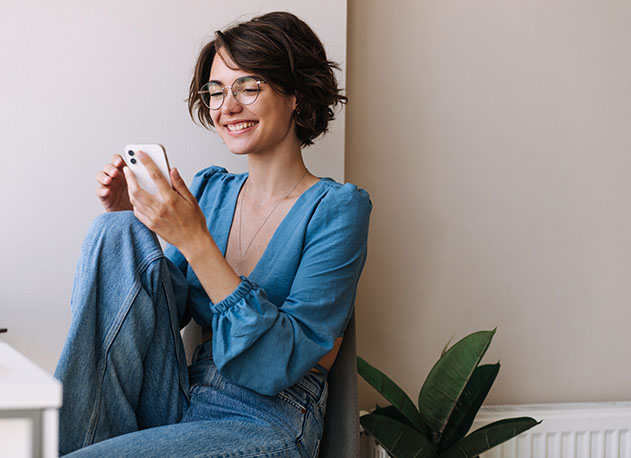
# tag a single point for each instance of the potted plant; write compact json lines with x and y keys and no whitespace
{"x":447,"y":405}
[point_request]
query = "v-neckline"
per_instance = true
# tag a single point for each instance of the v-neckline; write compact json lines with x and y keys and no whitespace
{"x":276,"y":231}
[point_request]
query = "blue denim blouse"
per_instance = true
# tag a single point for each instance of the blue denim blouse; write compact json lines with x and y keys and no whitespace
{"x":285,"y":316}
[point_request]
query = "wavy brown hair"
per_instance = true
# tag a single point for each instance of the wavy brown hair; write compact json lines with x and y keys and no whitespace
{"x":288,"y":55}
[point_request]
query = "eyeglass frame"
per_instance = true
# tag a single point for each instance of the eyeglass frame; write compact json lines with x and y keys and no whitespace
{"x":223,"y":91}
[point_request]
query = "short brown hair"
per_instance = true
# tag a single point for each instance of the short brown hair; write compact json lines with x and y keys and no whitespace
{"x":287,"y":54}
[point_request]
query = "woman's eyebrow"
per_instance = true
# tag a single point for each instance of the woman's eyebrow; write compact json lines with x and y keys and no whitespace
{"x":253,"y":75}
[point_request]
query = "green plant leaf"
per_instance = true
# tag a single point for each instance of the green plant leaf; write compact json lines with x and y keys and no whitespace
{"x":391,"y":391}
{"x":393,"y":413}
{"x":447,"y":345}
{"x":399,"y":440}
{"x":448,"y":378}
{"x":468,"y":404}
{"x":488,"y":437}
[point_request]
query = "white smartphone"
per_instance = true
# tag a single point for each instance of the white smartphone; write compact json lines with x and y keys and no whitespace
{"x":154,"y":151}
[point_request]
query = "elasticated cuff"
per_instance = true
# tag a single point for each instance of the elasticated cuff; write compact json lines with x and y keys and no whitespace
{"x":234,"y":297}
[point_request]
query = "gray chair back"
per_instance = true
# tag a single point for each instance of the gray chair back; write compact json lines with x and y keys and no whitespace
{"x":341,"y":422}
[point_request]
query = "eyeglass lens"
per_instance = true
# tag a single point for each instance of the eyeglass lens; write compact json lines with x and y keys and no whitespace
{"x":245,"y":90}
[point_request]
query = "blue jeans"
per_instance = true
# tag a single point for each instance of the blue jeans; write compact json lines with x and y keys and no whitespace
{"x":127,"y":390}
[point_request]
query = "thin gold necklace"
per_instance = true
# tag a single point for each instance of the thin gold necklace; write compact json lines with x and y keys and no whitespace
{"x":243,"y":253}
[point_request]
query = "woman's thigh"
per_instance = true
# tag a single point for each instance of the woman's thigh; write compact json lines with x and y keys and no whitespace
{"x":207,"y":439}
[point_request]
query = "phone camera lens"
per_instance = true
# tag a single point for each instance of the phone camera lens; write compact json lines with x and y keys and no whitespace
{"x":130,"y":152}
{"x":132,"y":160}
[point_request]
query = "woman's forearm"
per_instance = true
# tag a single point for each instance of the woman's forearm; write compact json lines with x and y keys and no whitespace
{"x":214,"y":273}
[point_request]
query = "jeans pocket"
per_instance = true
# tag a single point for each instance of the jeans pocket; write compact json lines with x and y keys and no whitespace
{"x":294,"y":398}
{"x":309,"y":392}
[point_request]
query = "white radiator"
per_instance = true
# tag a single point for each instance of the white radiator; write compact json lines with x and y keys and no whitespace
{"x":598,"y":430}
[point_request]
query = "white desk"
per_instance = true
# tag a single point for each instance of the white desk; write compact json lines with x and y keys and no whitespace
{"x":29,"y":403}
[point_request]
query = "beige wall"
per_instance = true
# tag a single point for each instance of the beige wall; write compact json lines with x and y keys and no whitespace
{"x":494,"y":139}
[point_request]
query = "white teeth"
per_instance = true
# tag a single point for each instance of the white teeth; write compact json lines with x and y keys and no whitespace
{"x":240,"y":126}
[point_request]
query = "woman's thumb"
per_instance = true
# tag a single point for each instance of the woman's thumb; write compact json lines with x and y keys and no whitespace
{"x":178,"y":183}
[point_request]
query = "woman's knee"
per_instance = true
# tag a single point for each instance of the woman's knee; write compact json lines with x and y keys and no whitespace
{"x":116,"y":221}
{"x":116,"y":254}
{"x":119,"y":224}
{"x":122,"y":233}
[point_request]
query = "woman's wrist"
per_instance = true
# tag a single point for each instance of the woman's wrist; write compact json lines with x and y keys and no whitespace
{"x":199,"y":247}
{"x":213,"y":271}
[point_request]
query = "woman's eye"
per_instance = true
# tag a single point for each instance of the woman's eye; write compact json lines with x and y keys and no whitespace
{"x":250,"y":90}
{"x":216,"y":94}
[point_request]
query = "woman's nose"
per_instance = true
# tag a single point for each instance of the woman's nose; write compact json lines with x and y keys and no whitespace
{"x":230,"y":104}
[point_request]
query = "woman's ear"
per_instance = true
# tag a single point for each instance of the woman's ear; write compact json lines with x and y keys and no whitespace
{"x":292,"y":102}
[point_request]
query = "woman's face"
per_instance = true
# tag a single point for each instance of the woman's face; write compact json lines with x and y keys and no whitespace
{"x":261,"y":127}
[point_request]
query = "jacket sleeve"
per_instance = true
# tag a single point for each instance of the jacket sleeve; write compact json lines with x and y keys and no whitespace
{"x":268,"y":347}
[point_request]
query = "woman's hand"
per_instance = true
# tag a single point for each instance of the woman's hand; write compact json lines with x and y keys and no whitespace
{"x":173,"y":213}
{"x":112,"y":190}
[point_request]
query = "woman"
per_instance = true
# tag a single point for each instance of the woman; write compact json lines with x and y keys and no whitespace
{"x":267,"y":262}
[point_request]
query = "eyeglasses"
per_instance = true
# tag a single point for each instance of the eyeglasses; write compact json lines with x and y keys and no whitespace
{"x":244,"y":89}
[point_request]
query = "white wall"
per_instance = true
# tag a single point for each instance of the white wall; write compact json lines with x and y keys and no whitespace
{"x":78,"y":80}
{"x":494,"y":139}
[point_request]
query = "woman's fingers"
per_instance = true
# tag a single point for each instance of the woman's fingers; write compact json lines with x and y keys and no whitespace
{"x":132,"y":185}
{"x":180,"y":186}
{"x":155,"y":174}
{"x":117,"y":164}
{"x":110,"y":171}
{"x":103,"y":178}
{"x":117,"y":161}
{"x":173,"y":213}
{"x":112,"y":189}
{"x":138,"y":197}
{"x":143,"y":203}
{"x":103,"y":192}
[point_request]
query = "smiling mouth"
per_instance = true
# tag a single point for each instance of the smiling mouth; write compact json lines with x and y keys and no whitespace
{"x":238,"y":127}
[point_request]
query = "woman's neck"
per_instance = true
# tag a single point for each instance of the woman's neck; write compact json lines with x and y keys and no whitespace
{"x":271,"y":176}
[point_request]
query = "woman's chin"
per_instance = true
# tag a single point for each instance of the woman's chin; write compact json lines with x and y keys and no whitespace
{"x":237,"y":147}
{"x":239,"y":152}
